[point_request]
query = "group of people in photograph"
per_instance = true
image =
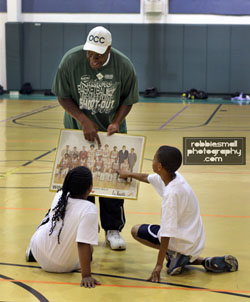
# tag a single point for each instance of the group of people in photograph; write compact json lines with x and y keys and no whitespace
{"x":102,"y":162}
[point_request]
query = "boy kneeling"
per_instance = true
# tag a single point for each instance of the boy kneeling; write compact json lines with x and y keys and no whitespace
{"x":180,"y":235}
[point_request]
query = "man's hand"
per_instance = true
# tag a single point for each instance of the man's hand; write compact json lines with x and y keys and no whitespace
{"x":156,"y":274}
{"x":120,"y":115}
{"x":113,"y":128}
{"x":89,"y":282}
{"x":90,"y":130}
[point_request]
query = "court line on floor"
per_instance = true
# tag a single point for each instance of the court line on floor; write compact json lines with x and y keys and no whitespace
{"x":239,"y":293}
{"x":196,"y":126}
{"x":36,"y":126}
{"x":26,"y":163}
{"x":128,"y":212}
{"x":211,"y":116}
{"x":20,"y":283}
{"x":23,"y":160}
{"x":38,"y":110}
{"x":21,"y":150}
{"x":32,"y":113}
{"x":187,"y":127}
{"x":173,"y":117}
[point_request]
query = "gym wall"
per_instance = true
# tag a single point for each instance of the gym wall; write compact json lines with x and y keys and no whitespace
{"x":171,"y":57}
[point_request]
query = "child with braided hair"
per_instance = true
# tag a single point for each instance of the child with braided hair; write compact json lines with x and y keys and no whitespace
{"x":63,"y":241}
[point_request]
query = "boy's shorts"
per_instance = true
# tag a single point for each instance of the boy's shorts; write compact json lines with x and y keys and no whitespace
{"x":149,"y":232}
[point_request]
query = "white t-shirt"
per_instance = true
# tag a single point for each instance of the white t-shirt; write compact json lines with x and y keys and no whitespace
{"x":180,"y":216}
{"x":80,"y":225}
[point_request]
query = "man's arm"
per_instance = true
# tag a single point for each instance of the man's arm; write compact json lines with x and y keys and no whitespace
{"x":156,"y":274}
{"x":138,"y":176}
{"x":85,"y":254}
{"x":120,"y":115}
{"x":90,"y":129}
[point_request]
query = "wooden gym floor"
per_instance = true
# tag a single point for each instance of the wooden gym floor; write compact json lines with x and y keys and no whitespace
{"x":29,"y":132}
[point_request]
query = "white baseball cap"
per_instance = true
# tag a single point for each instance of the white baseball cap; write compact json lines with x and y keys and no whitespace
{"x":98,"y":40}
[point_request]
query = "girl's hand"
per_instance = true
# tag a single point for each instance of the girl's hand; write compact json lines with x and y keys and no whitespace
{"x":89,"y":282}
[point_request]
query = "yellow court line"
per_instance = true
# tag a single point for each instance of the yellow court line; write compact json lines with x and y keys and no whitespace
{"x":130,"y":286}
{"x":11,"y":172}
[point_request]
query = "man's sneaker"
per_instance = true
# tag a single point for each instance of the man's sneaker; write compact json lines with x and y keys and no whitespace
{"x":115,"y":241}
{"x":29,"y":256}
{"x":226,"y":263}
{"x":176,"y":263}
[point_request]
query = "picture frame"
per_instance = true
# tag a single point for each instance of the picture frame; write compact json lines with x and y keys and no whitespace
{"x":118,"y":151}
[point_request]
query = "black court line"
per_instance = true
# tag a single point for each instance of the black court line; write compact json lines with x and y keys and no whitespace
{"x":33,"y":126}
{"x":26,"y":114}
{"x":211,"y":116}
{"x":174,"y":284}
{"x":143,"y":280}
{"x":187,"y":127}
{"x":44,"y":108}
{"x":38,"y":157}
{"x":31,"y":290}
{"x":12,"y":171}
{"x":206,"y":122}
{"x":173,"y":117}
{"x":18,"y":160}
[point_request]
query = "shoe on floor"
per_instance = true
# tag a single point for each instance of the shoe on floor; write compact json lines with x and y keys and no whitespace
{"x":29,"y":256}
{"x":176,"y":263}
{"x":115,"y":241}
{"x":226,"y":263}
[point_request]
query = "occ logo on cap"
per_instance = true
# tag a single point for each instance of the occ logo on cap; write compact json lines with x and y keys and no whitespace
{"x":98,"y":40}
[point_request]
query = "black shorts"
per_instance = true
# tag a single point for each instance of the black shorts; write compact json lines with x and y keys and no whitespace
{"x":149,"y":232}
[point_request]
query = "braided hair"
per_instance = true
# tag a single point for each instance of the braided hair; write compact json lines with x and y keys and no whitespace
{"x":76,"y":183}
{"x":170,"y":158}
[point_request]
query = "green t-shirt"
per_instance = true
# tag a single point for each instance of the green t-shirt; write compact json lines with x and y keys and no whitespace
{"x":98,"y":93}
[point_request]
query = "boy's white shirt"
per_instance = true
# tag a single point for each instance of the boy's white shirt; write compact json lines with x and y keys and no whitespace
{"x":80,"y":225}
{"x":180,"y":216}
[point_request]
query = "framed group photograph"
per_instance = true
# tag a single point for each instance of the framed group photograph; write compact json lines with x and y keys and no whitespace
{"x":117,"y":152}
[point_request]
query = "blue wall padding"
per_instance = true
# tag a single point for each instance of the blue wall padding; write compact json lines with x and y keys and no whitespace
{"x":14,"y":55}
{"x":81,"y":6}
{"x":217,"y":7}
{"x":171,"y":57}
{"x":3,"y":6}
